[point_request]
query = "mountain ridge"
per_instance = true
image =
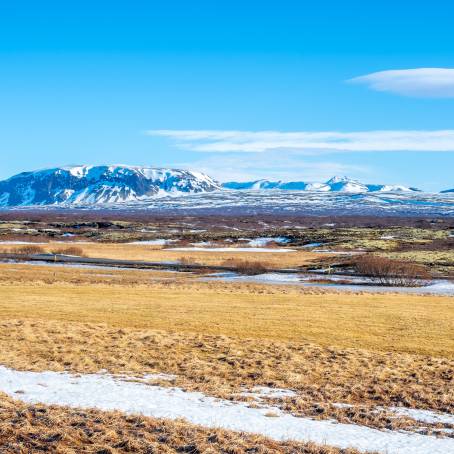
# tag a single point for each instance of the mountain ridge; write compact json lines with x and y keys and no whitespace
{"x":334,"y":184}
{"x":81,"y":185}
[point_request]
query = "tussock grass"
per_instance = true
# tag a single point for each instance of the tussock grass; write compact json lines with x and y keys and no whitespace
{"x":248,"y":267}
{"x":224,"y":366}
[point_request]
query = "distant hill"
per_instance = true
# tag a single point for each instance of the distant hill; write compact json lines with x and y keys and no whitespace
{"x":335,"y":184}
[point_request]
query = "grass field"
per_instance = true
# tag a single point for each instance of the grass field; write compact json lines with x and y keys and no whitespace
{"x":361,"y":350}
{"x":400,"y":323}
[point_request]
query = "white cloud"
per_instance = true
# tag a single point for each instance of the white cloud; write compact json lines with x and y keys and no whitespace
{"x":419,"y":82}
{"x":309,"y":142}
{"x":271,"y":166}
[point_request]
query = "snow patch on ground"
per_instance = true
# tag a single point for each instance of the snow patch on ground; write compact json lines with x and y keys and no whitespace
{"x":264,"y":241}
{"x":358,"y":284}
{"x":21,"y":242}
{"x":427,"y":416}
{"x":229,"y":249}
{"x":105,"y":392}
{"x":341,"y":405}
{"x":310,"y":245}
{"x":440,"y":287}
{"x":160,"y":376}
{"x":157,"y":242}
{"x":278,"y":278}
{"x":260,"y":392}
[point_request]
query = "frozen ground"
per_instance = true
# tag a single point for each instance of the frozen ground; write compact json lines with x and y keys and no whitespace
{"x":109,"y":393}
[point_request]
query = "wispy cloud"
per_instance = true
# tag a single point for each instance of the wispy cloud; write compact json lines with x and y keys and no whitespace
{"x":273,"y":166}
{"x":309,"y":142}
{"x":419,"y":82}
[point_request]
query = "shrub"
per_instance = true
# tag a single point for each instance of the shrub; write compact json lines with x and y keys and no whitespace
{"x":248,"y":267}
{"x":29,"y":249}
{"x":71,"y":250}
{"x":386,"y":271}
{"x":187,"y":261}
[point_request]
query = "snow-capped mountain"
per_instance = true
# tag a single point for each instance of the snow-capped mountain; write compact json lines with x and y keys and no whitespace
{"x":335,"y":184}
{"x":446,"y":191}
{"x":135,"y":188}
{"x":91,"y":185}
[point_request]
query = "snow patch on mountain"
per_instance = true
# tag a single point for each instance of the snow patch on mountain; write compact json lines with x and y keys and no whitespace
{"x":335,"y":184}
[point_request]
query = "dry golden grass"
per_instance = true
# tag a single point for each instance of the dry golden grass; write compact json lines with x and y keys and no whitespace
{"x":60,"y":273}
{"x":399,"y":323}
{"x":158,"y":254}
{"x":37,"y":428}
{"x":69,"y":250}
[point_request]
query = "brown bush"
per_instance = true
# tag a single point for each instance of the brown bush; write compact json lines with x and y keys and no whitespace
{"x":248,"y":267}
{"x":187,"y":261}
{"x":29,"y":249}
{"x":71,"y":250}
{"x":182,"y":242}
{"x":386,"y":271}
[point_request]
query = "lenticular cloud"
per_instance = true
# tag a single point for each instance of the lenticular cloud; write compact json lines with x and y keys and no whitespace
{"x":419,"y":82}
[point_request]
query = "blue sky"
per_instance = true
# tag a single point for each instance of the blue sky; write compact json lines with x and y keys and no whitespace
{"x":92,"y":82}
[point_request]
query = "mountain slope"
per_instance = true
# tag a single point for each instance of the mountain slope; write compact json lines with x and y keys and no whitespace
{"x":91,"y":185}
{"x":335,"y":184}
